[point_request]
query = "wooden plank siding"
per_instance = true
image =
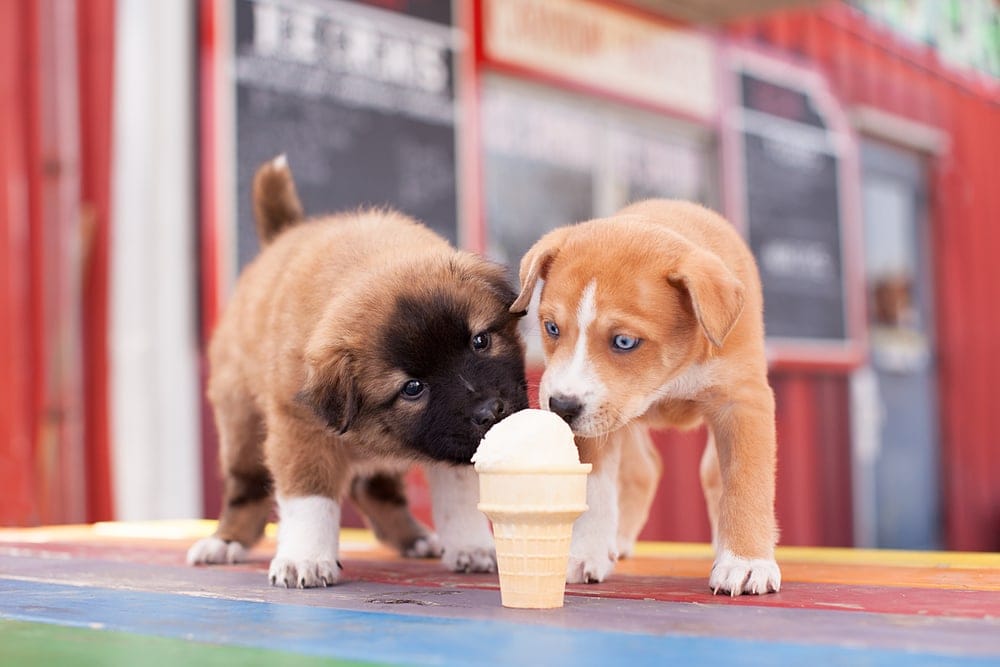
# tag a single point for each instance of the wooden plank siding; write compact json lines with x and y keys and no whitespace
{"x":18,"y":338}
{"x":814,"y":484}
{"x":56,"y":63}
{"x":96,"y":48}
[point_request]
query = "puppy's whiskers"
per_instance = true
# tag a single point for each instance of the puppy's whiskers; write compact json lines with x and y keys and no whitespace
{"x":468,"y":385}
{"x":613,"y":418}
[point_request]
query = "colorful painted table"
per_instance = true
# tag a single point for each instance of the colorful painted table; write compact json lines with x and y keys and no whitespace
{"x":120,"y":594}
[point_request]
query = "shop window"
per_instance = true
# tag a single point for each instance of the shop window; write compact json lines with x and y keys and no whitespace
{"x":553,"y":159}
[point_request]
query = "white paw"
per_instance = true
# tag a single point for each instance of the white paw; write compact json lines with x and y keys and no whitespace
{"x":308,"y":543}
{"x":470,"y":559}
{"x":211,"y":550}
{"x":625,"y":548}
{"x":428,"y":546}
{"x":303,"y":573}
{"x":591,"y":568}
{"x":735,"y":575}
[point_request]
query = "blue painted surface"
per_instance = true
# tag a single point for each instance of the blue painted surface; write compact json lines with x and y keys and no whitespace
{"x":413,"y":640}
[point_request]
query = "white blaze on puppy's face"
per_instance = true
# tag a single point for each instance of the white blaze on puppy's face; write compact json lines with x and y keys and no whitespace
{"x":570,"y":372}
{"x":595,"y":300}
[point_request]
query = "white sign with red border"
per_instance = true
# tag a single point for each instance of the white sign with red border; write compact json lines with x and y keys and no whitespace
{"x":606,"y":49}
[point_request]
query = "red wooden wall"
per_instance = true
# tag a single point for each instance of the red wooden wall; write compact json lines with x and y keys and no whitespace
{"x":55,"y":120}
{"x":18,"y":338}
{"x":814,"y":482}
{"x":867,"y":65}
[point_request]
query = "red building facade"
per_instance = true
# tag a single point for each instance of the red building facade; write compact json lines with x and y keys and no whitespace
{"x":54,"y":186}
{"x":868,"y":66}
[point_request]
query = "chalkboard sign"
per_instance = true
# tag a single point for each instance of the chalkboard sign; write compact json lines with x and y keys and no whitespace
{"x":360,"y":98}
{"x":793,"y":210}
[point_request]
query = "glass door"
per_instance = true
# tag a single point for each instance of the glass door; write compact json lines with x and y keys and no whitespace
{"x":900,"y":508}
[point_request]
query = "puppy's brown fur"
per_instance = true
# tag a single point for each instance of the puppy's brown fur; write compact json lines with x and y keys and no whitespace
{"x":329,"y":328}
{"x":677,"y":279}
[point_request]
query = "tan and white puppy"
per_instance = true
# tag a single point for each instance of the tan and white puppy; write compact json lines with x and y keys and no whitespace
{"x":354,"y":346}
{"x":653,"y":318}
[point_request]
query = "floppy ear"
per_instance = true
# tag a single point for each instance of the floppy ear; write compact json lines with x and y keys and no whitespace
{"x":490,"y":275}
{"x":535,"y":264}
{"x":717,"y":296}
{"x":330,"y":389}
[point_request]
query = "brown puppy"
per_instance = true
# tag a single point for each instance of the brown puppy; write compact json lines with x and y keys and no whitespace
{"x":653,"y":317}
{"x":355,"y":345}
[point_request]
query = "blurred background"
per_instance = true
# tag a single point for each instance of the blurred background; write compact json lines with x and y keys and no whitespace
{"x":856,"y":145}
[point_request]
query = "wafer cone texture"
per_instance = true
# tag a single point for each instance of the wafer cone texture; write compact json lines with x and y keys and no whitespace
{"x":532,"y":514}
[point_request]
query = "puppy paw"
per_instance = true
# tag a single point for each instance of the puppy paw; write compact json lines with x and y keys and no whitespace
{"x":625,"y":548}
{"x":735,"y":575}
{"x":428,"y":546}
{"x":303,"y":573}
{"x":212,"y":550}
{"x":591,"y":569}
{"x":470,"y":559}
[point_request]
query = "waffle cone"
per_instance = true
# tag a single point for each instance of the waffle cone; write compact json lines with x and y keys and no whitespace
{"x":532,"y":515}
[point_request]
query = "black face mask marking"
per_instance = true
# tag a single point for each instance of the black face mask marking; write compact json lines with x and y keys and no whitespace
{"x":430,"y":339}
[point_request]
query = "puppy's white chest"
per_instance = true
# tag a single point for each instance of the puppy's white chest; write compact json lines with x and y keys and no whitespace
{"x":691,"y":382}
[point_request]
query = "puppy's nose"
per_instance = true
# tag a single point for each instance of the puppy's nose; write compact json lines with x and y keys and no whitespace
{"x":488,"y":412}
{"x":567,"y":407}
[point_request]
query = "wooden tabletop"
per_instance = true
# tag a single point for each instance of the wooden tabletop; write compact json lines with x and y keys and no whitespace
{"x":120,"y":593}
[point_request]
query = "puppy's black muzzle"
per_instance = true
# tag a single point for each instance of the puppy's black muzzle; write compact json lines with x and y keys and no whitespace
{"x":488,"y":412}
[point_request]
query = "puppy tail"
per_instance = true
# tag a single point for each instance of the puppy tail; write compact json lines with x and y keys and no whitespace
{"x":276,"y":204}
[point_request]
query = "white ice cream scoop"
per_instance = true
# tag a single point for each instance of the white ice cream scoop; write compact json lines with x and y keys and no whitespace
{"x":529,"y":439}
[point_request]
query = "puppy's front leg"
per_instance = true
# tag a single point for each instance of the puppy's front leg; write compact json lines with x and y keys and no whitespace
{"x":463,"y":530}
{"x":308,"y":542}
{"x":593,"y":550}
{"x":309,"y":482}
{"x":747,"y":531}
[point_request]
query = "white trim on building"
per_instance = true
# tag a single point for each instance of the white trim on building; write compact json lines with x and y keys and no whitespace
{"x":154,"y":378}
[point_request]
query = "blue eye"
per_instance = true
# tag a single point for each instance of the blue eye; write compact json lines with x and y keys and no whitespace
{"x":624,"y":343}
{"x":551,"y":329}
{"x":412,"y":390}
{"x":481,"y":341}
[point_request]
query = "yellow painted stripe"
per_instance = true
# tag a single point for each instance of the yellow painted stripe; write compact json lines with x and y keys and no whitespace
{"x":351,"y":539}
{"x":952,"y":559}
{"x":360,"y":539}
{"x":674,"y":550}
{"x":838,"y":556}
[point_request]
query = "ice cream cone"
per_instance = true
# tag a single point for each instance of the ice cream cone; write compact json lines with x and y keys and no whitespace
{"x":532,"y":514}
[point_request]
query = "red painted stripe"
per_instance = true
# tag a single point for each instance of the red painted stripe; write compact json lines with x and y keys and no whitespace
{"x":922,"y":601}
{"x":794,"y":595}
